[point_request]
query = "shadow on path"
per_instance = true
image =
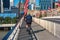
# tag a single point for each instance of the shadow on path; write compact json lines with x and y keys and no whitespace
{"x":24,"y":34}
{"x":39,"y":30}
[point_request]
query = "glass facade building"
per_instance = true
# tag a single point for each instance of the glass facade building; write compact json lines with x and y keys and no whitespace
{"x":0,"y":6}
{"x":32,"y":4}
{"x":6,"y":3}
{"x":23,"y":1}
{"x":12,"y":15}
{"x":45,"y":4}
{"x":16,"y":2}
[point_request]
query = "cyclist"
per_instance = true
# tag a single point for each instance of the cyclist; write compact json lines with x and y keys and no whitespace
{"x":28,"y":21}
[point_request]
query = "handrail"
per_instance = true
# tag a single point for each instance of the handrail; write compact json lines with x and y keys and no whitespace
{"x":13,"y":32}
{"x":8,"y":34}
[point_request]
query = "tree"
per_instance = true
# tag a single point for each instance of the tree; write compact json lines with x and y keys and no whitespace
{"x":14,"y":20}
{"x":7,"y":20}
{"x":1,"y":20}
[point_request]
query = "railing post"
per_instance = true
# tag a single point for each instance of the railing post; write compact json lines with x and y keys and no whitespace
{"x":50,"y":26}
{"x":54,"y":29}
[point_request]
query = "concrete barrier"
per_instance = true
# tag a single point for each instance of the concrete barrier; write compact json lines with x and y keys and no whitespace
{"x":52,"y":27}
{"x":14,"y":34}
{"x":7,"y":25}
{"x":51,"y":17}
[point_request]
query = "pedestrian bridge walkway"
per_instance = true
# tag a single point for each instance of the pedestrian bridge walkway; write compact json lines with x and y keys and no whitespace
{"x":37,"y":33}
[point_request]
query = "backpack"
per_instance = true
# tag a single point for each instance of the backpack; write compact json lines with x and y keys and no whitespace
{"x":29,"y":19}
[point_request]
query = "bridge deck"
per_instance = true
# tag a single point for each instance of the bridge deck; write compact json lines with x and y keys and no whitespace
{"x":40,"y":33}
{"x":24,"y":34}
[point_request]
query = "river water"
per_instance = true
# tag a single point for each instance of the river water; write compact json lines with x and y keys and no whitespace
{"x":2,"y":34}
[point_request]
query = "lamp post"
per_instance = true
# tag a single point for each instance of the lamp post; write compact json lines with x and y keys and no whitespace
{"x":18,"y":14}
{"x":19,"y":8}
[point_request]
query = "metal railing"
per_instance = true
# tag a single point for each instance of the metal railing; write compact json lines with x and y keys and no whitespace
{"x":13,"y":33}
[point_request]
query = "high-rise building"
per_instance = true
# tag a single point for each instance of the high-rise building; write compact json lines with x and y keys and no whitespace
{"x":45,"y":4}
{"x":32,"y":4}
{"x":11,"y":3}
{"x":6,"y":3}
{"x":23,"y":1}
{"x":32,"y":1}
{"x":1,"y":6}
{"x":15,"y":2}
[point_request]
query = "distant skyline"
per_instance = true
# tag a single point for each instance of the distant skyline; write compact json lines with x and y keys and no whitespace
{"x":16,"y":2}
{"x":37,"y":2}
{"x":12,"y":0}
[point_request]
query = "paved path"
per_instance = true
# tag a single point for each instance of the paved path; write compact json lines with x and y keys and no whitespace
{"x":41,"y":33}
{"x":37,"y":33}
{"x":24,"y":34}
